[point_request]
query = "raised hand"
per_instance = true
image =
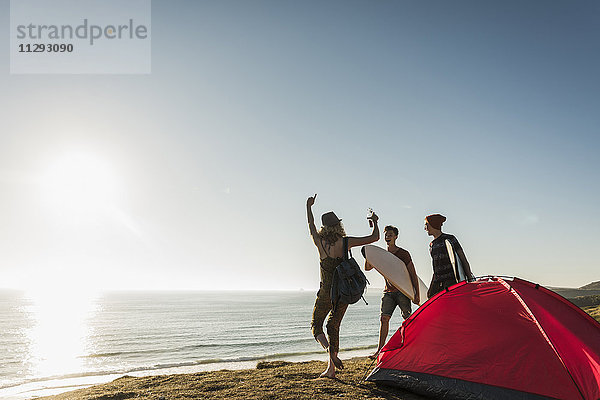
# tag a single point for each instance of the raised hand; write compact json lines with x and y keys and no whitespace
{"x":374,"y":217}
{"x":311,"y":200}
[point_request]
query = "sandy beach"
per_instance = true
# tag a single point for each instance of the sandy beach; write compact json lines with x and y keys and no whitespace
{"x":269,"y":380}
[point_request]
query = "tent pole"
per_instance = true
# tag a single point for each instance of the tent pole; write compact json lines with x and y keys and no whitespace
{"x":366,"y":372}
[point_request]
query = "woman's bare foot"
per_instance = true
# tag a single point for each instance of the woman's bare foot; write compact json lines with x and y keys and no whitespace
{"x":335,"y":359}
{"x":337,"y":362}
{"x":327,"y":374}
{"x":330,"y":371}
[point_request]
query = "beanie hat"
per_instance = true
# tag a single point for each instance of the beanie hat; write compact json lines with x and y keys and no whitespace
{"x":435,"y":221}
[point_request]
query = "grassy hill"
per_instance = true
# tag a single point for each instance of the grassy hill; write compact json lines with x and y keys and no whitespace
{"x":591,"y":286}
{"x":589,"y":304}
{"x":591,"y":289}
{"x":587,"y":297}
{"x":594,"y":311}
{"x":586,"y":301}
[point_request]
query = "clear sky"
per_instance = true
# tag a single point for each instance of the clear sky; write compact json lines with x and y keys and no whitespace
{"x":196,"y":175}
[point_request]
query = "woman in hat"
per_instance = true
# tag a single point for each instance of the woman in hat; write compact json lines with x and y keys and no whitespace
{"x":443,"y":271}
{"x":329,"y":242}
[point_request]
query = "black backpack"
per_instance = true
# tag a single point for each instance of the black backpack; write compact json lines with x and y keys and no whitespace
{"x":349,"y":282}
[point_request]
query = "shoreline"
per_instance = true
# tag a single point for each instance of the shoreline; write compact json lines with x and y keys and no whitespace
{"x":53,"y":386}
{"x":268,"y":380}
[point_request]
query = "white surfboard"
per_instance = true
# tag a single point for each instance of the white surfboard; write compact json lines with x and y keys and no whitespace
{"x":459,"y":271}
{"x":394,"y":269}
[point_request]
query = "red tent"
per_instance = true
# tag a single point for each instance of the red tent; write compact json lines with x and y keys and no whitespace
{"x":495,"y":339}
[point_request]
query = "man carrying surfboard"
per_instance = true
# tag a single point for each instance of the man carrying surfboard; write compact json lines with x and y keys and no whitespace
{"x":443,"y":249}
{"x":393,"y":297}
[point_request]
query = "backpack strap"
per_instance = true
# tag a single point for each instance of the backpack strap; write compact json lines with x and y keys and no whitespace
{"x":346,"y":249}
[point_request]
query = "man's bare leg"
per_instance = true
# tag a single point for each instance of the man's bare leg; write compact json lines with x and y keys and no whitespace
{"x":384,"y":328}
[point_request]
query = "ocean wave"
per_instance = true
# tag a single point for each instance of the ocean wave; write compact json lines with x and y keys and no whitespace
{"x":222,"y":345}
{"x":189,"y":347}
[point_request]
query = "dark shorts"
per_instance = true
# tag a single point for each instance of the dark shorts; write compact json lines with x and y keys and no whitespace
{"x":390,"y":300}
{"x":437,"y":286}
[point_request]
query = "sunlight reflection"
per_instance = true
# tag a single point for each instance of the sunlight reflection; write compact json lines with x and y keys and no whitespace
{"x":60,"y":331}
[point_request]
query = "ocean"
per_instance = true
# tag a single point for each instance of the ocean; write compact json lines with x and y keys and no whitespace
{"x":58,"y":342}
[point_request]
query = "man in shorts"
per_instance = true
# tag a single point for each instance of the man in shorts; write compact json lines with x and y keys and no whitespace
{"x":392,"y":297}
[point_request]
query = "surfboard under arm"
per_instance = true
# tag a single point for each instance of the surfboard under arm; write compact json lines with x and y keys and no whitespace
{"x":395,"y":271}
{"x":457,"y":267}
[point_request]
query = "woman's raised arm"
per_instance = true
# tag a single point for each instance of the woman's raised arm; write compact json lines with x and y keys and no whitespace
{"x":373,"y":237}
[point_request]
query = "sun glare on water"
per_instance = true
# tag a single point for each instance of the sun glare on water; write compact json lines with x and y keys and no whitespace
{"x":79,"y":188}
{"x":60,"y":330}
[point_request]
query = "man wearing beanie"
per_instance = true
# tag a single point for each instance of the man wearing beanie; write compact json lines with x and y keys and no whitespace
{"x":443,"y":271}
